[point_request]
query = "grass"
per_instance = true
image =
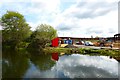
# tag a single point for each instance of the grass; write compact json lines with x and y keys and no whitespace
{"x":59,"y":50}
{"x":84,"y":51}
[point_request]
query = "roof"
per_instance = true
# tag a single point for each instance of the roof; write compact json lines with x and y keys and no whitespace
{"x":117,"y":34}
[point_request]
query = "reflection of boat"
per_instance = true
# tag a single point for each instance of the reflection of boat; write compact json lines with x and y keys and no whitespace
{"x":55,"y":56}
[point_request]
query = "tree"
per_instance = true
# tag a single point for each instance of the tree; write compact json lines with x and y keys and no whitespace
{"x":15,"y":28}
{"x":46,"y":32}
{"x":42,"y":35}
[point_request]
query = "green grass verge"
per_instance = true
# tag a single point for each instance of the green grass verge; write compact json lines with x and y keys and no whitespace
{"x":84,"y":51}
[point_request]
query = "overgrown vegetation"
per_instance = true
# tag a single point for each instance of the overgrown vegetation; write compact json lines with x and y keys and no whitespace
{"x":15,"y":29}
{"x":41,"y":36}
{"x":16,"y":33}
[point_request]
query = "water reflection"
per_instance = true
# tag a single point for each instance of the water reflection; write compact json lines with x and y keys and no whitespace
{"x":41,"y":65}
{"x":77,"y":66}
{"x":14,"y":64}
{"x":55,"y":56}
{"x":80,"y":66}
{"x":0,"y":63}
{"x":42,"y":61}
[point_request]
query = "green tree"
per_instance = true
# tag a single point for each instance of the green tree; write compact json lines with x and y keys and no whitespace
{"x":15,"y":29}
{"x":42,"y":36}
{"x":46,"y":32}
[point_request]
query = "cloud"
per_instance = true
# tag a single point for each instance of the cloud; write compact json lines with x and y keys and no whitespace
{"x":73,"y":67}
{"x":31,"y":7}
{"x":35,"y":11}
{"x":72,"y":18}
{"x":110,"y":30}
{"x":94,"y":30}
{"x":89,"y":9}
{"x":63,"y":27}
{"x":81,"y":16}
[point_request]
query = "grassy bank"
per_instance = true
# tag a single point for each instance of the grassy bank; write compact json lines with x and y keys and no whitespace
{"x":84,"y":51}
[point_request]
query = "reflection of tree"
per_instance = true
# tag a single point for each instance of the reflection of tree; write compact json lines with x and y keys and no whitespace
{"x":14,"y":65}
{"x":42,"y":61}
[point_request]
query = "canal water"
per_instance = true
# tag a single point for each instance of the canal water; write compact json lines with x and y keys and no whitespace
{"x":39,"y":65}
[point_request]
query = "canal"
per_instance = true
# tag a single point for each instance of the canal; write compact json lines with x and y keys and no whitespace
{"x":41,"y":65}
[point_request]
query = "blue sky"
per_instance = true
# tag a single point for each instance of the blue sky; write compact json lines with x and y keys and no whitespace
{"x":73,"y":18}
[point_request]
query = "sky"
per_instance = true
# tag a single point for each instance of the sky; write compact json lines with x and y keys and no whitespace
{"x":71,"y":18}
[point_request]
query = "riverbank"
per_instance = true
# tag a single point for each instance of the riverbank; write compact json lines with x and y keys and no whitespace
{"x":85,"y":51}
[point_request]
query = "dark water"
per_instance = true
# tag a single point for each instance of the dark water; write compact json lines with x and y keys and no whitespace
{"x":36,"y":65}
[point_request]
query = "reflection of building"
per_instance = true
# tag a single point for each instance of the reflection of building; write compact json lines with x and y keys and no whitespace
{"x":55,"y":56}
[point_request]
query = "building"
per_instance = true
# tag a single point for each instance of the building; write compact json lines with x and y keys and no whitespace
{"x":55,"y":42}
{"x":117,"y":37}
{"x":75,"y":39}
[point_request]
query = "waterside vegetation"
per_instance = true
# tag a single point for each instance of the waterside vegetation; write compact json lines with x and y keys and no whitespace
{"x":16,"y":33}
{"x":84,"y":51}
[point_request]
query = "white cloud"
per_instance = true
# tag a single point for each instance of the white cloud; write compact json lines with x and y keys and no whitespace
{"x":36,"y":11}
{"x":100,"y":17}
{"x":98,"y":20}
{"x":79,"y":66}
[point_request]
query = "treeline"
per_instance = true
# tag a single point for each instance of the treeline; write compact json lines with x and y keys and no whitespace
{"x":16,"y":33}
